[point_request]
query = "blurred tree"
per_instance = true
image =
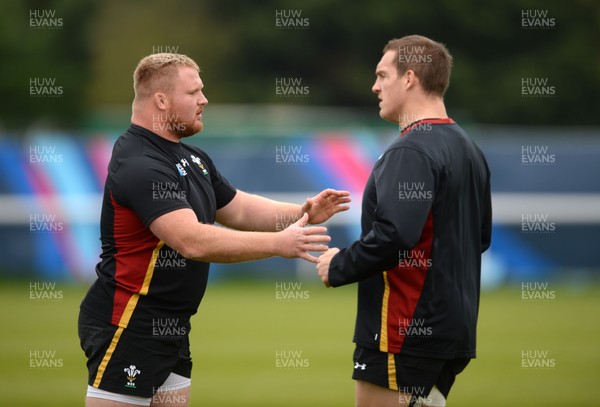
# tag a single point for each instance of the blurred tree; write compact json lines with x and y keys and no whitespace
{"x":332,"y":48}
{"x":45,"y":62}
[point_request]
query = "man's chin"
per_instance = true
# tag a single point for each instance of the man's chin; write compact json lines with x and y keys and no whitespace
{"x":190,"y":130}
{"x":388,"y":117}
{"x":197,"y":126}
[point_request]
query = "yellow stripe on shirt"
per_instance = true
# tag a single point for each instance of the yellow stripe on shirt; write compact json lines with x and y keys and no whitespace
{"x":383,"y":337}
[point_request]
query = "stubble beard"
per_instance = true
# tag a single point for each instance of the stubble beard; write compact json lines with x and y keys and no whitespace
{"x":183,"y":128}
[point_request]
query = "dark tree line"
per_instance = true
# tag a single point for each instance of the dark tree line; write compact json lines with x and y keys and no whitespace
{"x":531,"y":62}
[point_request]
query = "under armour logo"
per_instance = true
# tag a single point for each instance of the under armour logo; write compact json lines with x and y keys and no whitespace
{"x":362,"y":367}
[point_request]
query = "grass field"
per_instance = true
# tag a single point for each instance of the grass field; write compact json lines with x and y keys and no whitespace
{"x":244,"y":338}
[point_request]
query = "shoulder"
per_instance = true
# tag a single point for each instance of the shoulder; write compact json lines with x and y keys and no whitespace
{"x":404,"y":150}
{"x":426,"y":139}
{"x":136,"y":170}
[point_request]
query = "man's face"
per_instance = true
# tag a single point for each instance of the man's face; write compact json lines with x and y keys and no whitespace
{"x":389,"y":88}
{"x":187,"y":103}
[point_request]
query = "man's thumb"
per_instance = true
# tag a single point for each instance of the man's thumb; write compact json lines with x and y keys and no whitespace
{"x":302,"y":221}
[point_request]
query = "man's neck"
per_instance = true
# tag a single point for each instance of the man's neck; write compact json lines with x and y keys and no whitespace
{"x":148,"y":123}
{"x":431,"y":108}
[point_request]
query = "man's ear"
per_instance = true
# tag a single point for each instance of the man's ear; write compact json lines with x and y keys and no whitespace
{"x":160,"y":101}
{"x":410,"y":79}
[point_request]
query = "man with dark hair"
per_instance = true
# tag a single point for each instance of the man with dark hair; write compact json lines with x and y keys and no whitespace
{"x":426,"y":219}
{"x":161,"y":200}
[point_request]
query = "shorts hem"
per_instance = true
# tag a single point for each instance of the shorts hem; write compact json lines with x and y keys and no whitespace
{"x":409,"y":374}
{"x":98,"y":393}
{"x":372,"y":381}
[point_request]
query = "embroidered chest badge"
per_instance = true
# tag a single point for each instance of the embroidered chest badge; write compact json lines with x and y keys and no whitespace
{"x":197,"y":161}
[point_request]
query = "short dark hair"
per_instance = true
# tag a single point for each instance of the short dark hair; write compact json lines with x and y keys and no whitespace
{"x":429,"y":60}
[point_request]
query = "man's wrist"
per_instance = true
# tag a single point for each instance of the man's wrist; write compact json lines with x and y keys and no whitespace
{"x":272,"y":243}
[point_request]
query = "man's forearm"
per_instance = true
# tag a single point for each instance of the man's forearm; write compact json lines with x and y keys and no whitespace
{"x":263,"y":214}
{"x":181,"y":230}
{"x":220,"y":245}
{"x":257,"y":213}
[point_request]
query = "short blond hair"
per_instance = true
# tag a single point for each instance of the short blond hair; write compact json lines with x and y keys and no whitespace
{"x":157,"y":72}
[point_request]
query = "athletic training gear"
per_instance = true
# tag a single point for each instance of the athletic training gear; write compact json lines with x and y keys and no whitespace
{"x":146,"y":292}
{"x":164,"y":393}
{"x":122,"y":361}
{"x":426,"y":219}
{"x":407,"y":374}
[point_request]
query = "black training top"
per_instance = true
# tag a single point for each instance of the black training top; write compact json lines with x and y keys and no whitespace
{"x":141,"y":281}
{"x":426,"y":219}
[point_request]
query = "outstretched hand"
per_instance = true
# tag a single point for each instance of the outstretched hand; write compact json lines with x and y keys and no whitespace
{"x":326,"y":204}
{"x":298,"y":240}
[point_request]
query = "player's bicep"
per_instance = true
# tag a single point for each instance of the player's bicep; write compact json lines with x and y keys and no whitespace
{"x":231,"y":215}
{"x":405,"y":186}
{"x":175,"y":227}
{"x":249,"y":212}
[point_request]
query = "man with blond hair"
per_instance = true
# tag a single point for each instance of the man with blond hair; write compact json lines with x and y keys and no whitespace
{"x":161,"y":199}
{"x":426,"y":220}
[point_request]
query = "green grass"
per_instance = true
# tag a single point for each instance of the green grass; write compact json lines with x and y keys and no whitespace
{"x":241,"y":326}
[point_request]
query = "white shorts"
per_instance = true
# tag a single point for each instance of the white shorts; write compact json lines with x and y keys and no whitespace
{"x":173,"y":382}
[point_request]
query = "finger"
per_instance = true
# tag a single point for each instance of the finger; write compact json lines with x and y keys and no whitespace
{"x":338,"y":201}
{"x":315,"y":247}
{"x":325,"y":278}
{"x":335,"y":197}
{"x":316,"y":239}
{"x":338,"y":193}
{"x":308,"y":257}
{"x":314,"y":230}
{"x":302,"y":221}
{"x":342,"y":208}
{"x":323,"y":268}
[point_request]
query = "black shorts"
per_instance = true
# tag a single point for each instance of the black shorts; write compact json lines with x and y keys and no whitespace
{"x":123,"y":362}
{"x":408,"y":374}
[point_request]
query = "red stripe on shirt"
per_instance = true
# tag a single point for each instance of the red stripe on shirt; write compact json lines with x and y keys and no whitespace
{"x":406,"y":285}
{"x":425,"y":121}
{"x":134,"y":245}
